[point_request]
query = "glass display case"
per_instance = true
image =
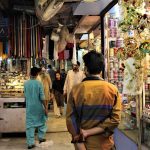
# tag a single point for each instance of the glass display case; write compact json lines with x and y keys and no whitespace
{"x":13,"y":73}
{"x":115,"y":72}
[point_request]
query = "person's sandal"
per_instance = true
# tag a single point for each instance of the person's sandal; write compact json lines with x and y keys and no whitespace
{"x":42,"y":140}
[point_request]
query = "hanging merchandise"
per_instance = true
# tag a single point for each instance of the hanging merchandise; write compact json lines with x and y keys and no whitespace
{"x":66,"y":54}
{"x":55,"y":50}
{"x":129,"y":80}
{"x":55,"y":36}
{"x":47,"y":46}
{"x":119,"y":42}
{"x":69,"y":49}
{"x":145,"y":47}
{"x":61,"y":45}
{"x":61,"y":55}
{"x":64,"y":33}
{"x":74,"y":57}
{"x":135,"y":3}
{"x":45,"y":49}
{"x":70,"y":38}
{"x":135,"y":16}
{"x":136,"y":23}
{"x":24,"y":37}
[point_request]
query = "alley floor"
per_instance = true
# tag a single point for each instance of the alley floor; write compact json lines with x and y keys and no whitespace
{"x":57,"y":137}
{"x":55,"y":141}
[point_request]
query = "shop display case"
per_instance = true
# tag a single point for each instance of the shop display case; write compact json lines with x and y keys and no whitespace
{"x":114,"y":73}
{"x":13,"y":73}
{"x":128,"y":67}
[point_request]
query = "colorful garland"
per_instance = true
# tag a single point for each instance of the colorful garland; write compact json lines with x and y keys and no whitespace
{"x":145,"y":47}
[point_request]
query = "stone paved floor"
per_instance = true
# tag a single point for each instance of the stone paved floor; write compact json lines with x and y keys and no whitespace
{"x":57,"y":137}
{"x":55,"y":141}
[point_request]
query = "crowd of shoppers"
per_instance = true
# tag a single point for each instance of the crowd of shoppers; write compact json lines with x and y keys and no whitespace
{"x":93,"y":105}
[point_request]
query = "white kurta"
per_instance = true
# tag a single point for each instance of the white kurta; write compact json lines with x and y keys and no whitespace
{"x":72,"y":79}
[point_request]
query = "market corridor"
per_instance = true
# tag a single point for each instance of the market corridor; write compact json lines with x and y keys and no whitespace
{"x":57,"y":138}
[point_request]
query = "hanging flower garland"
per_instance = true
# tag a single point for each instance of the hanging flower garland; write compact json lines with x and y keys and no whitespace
{"x":135,"y":16}
{"x":131,"y":49}
{"x":135,"y":20}
{"x":145,"y":47}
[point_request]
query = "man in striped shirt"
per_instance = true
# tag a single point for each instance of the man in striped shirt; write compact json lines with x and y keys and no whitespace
{"x":94,"y":108}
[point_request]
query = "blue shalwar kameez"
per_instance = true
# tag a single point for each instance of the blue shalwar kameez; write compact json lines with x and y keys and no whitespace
{"x":35,"y":114}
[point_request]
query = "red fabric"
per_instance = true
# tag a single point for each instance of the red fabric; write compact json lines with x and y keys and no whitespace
{"x":24,"y":41}
{"x":61,"y":55}
{"x":69,"y":45}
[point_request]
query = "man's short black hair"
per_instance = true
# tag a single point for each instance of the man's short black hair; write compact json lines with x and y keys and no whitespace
{"x":94,"y":62}
{"x":34,"y":71}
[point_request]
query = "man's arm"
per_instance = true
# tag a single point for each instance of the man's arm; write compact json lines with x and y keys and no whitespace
{"x":109,"y":124}
{"x":113,"y":121}
{"x":72,"y":121}
{"x":71,"y":117}
{"x":45,"y":107}
{"x":92,"y":131}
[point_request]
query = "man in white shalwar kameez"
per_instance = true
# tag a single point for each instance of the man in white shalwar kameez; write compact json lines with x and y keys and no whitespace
{"x":74,"y":77}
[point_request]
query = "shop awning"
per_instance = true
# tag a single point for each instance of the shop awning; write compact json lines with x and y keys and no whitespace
{"x":93,"y":8}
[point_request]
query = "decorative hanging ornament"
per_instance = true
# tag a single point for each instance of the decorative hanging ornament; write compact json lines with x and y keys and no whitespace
{"x":121,"y":54}
{"x":135,"y":3}
{"x":131,"y":43}
{"x":145,"y":47}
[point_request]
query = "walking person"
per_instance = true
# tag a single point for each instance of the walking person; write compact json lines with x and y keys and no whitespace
{"x":47,"y":84}
{"x":93,"y":108}
{"x":36,"y":110}
{"x":57,"y":87}
{"x":73,"y":77}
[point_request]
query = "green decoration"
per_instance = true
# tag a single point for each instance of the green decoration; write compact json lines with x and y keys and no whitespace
{"x":145,"y":47}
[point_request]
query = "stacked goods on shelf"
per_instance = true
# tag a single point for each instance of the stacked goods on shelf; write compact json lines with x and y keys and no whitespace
{"x":12,"y":74}
{"x":12,"y":84}
{"x":115,"y":41}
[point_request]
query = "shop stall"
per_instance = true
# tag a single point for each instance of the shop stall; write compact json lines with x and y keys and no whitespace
{"x":127,"y":55}
{"x":20,"y":46}
{"x":13,"y":73}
